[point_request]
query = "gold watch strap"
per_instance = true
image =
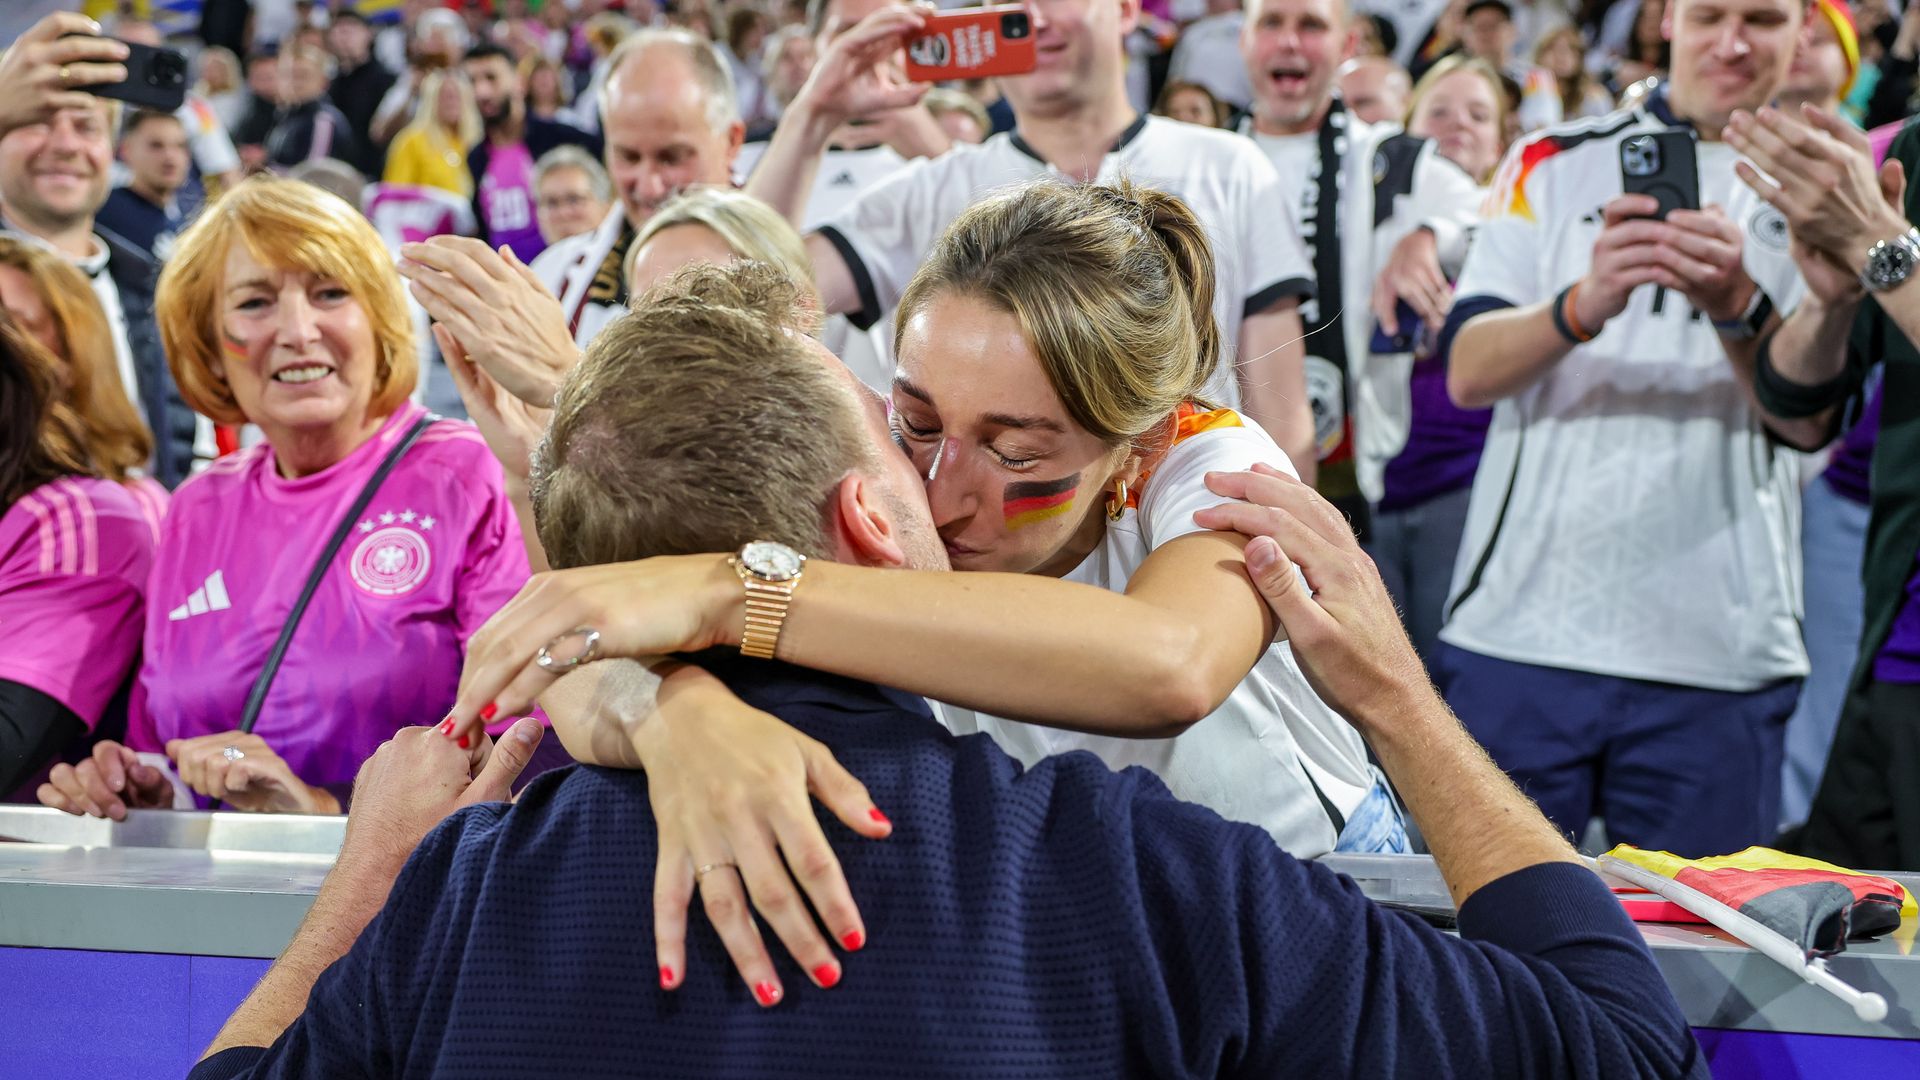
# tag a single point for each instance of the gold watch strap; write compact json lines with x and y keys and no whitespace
{"x":766,"y":613}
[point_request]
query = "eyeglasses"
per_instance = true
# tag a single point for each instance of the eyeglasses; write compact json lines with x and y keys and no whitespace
{"x":563,"y":202}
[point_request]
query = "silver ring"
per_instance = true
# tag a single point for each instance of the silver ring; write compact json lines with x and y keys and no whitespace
{"x":233,"y":753}
{"x":588,"y":651}
{"x":709,"y":868}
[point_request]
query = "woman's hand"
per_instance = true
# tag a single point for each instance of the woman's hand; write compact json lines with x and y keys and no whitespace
{"x":504,"y":318}
{"x":45,"y":70}
{"x":681,"y":603}
{"x":106,"y":785}
{"x":729,"y":786}
{"x":511,"y":427}
{"x":256,"y":780}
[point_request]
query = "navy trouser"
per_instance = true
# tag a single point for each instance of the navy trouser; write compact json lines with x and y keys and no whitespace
{"x":1670,"y":768}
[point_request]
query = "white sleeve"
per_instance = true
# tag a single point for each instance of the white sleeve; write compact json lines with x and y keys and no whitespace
{"x":890,"y":227}
{"x":1508,"y":257}
{"x":1449,"y":204}
{"x":1177,"y":488}
{"x":1276,"y":260}
{"x":211,"y":146}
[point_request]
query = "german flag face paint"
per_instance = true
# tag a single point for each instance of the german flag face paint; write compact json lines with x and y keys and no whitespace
{"x":1028,"y":502}
{"x":231,"y":346}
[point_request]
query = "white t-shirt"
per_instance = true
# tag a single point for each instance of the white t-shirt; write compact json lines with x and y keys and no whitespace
{"x":1258,"y":260}
{"x":843,"y":176}
{"x":1257,"y":758}
{"x":567,"y":269}
{"x":1209,"y":54}
{"x":1630,"y":516}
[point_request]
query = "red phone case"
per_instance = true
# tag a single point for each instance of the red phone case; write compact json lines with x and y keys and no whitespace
{"x":971,"y":44}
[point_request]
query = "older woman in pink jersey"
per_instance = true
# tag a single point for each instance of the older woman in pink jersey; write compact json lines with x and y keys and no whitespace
{"x":280,"y":308}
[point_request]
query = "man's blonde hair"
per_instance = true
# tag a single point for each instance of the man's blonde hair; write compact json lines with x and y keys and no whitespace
{"x":1113,"y":289}
{"x":287,"y":225}
{"x":698,"y":422}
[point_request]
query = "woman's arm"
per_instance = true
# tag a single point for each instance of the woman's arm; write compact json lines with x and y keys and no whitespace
{"x":33,"y":728}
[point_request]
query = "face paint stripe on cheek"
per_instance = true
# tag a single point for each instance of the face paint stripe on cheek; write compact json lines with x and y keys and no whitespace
{"x":232,"y":346}
{"x":1027,"y":502}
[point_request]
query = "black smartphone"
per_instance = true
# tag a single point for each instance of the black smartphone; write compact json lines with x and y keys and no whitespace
{"x":156,"y":79}
{"x":1661,"y":164}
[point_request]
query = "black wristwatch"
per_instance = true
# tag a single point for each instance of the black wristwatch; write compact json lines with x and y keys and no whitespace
{"x":1749,"y":323}
{"x":1891,"y":262}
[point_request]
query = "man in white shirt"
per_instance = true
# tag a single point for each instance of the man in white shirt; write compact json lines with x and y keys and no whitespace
{"x":1623,"y":627}
{"x":671,"y":121}
{"x":1334,"y":172}
{"x":1073,"y":119}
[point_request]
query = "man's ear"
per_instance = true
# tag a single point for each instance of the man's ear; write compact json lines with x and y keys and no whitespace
{"x":863,"y":526}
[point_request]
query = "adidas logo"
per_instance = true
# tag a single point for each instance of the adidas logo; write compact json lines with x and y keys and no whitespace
{"x":209,"y":597}
{"x":844,"y":179}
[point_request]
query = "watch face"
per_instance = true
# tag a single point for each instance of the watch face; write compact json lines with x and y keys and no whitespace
{"x":1889,"y":264}
{"x":770,"y":561}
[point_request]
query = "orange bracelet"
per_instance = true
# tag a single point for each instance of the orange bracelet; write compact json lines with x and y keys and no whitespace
{"x":1580,"y":333}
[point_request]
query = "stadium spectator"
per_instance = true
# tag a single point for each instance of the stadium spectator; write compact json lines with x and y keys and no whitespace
{"x":501,"y":165}
{"x":279,"y":310}
{"x":221,"y":85}
{"x":146,"y":210}
{"x":360,"y":82}
{"x":1562,"y":53}
{"x":963,"y":118}
{"x":549,"y":89}
{"x":54,"y":167}
{"x":432,"y":150}
{"x":1191,"y":103}
{"x":1208,"y":53}
{"x":572,"y":194}
{"x":1588,"y":636}
{"x":1375,"y":89}
{"x":306,"y":124}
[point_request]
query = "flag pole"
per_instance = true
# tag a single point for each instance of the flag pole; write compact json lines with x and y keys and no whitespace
{"x":1870,"y":1007}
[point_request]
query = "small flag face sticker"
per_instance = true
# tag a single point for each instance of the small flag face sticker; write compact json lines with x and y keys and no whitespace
{"x":1030,"y":501}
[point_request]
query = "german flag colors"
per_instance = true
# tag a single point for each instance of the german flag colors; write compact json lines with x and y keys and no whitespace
{"x":1027,"y":502}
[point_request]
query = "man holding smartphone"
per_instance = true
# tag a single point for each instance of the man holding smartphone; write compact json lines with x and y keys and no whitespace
{"x":1622,"y":633}
{"x":1073,"y":120}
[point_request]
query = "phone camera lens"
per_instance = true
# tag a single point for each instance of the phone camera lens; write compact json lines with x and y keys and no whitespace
{"x":1014,"y":26}
{"x":168,"y":70}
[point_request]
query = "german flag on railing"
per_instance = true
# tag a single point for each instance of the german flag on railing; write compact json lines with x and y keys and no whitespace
{"x":1815,"y":905}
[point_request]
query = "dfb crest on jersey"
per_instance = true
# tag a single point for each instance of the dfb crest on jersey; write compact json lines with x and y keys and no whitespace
{"x":1768,"y":227}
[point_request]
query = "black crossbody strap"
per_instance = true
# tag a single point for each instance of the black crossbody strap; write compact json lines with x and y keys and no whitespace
{"x":258,"y":697}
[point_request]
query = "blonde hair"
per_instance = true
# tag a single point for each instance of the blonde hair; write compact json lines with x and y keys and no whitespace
{"x":426,"y":109}
{"x":110,"y":431}
{"x":289,"y":225}
{"x":752,"y":229}
{"x":1113,"y":288}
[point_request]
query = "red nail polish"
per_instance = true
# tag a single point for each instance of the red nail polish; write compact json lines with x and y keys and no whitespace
{"x":876,"y":815}
{"x":487,"y":713}
{"x":766,"y":993}
{"x":463,"y":742}
{"x":853,"y":940}
{"x":446,"y":727}
{"x":827,"y":975}
{"x":666,"y":977}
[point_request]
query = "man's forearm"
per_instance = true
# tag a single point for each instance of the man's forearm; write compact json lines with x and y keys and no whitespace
{"x":783,"y":179}
{"x":1476,"y":822}
{"x":597,"y":710}
{"x":1809,"y":349}
{"x":1500,"y":353}
{"x":349,"y":899}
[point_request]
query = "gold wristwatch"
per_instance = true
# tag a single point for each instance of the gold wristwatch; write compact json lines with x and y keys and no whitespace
{"x":770,"y":571}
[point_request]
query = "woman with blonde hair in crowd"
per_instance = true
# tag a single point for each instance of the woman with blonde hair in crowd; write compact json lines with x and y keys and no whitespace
{"x":1563,"y":53}
{"x":77,"y":520}
{"x":1053,"y":349}
{"x":1462,"y":104}
{"x":314,"y":593}
{"x":432,"y":149}
{"x":222,"y":84}
{"x":715,"y":225}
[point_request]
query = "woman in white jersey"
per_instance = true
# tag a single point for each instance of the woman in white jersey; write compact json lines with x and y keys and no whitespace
{"x":1050,"y":350}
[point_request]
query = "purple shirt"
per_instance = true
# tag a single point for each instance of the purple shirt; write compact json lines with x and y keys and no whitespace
{"x":74,"y":558}
{"x":380,"y":647}
{"x":1899,"y":658}
{"x":506,"y":201}
{"x":1849,"y":470}
{"x":1444,"y":442}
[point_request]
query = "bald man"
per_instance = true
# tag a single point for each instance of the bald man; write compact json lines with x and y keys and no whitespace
{"x":1375,"y":89}
{"x":670,"y":120}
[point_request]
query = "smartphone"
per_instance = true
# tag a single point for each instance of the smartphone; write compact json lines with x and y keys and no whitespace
{"x":972,"y":43}
{"x":1412,"y":329}
{"x":156,"y":79}
{"x":1661,"y":164}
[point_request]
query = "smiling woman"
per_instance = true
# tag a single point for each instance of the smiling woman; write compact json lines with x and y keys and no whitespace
{"x":280,"y":308}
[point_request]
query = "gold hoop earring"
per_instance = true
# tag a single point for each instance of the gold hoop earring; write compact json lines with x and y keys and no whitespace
{"x":1117,"y":502}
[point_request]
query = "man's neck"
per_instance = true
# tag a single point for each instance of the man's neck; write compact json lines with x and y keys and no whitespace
{"x":511,"y":129}
{"x":158,"y":196}
{"x":75,"y":240}
{"x":1076,"y":140}
{"x":1263,"y":124}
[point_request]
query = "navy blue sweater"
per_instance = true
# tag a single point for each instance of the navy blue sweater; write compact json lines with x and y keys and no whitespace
{"x":1065,"y":921}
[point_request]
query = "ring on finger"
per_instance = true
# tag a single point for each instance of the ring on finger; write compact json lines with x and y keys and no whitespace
{"x":708,"y":868}
{"x":62,"y":74}
{"x":589,"y":650}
